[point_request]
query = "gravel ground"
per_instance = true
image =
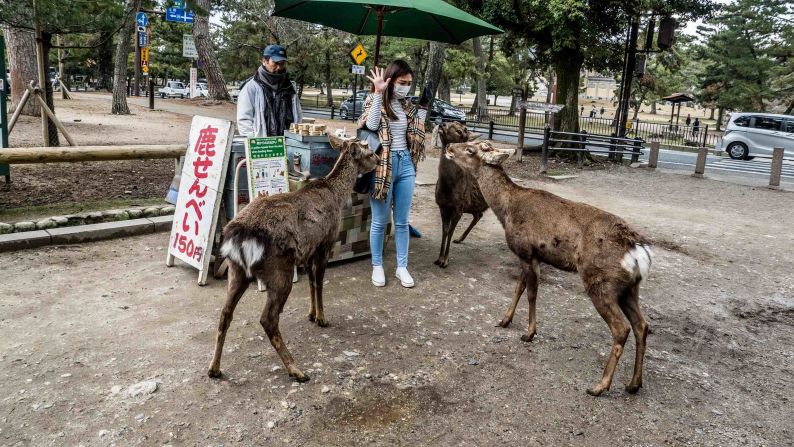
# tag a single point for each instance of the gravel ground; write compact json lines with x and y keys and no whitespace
{"x":101,"y":344}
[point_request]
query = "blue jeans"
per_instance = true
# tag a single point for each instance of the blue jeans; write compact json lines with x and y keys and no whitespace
{"x":403,"y":176}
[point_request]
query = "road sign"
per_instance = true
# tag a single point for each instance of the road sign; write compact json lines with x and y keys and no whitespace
{"x":145,"y":69}
{"x":193,"y":79}
{"x":142,"y":20}
{"x":357,"y":69}
{"x":144,"y":56}
{"x":178,"y":15}
{"x":189,"y":46}
{"x":358,"y":54}
{"x":143,"y":39}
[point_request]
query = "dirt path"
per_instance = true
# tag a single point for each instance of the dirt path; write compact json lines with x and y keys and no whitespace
{"x":81,"y":324}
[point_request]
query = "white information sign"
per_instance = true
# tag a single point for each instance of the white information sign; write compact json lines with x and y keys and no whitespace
{"x":189,"y":46}
{"x":198,"y":202}
{"x":193,"y":81}
{"x":357,"y":69}
{"x":267,"y":166}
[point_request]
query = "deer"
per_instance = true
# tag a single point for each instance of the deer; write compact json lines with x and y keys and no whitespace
{"x":611,"y":258}
{"x":272,"y":235}
{"x":456,"y":191}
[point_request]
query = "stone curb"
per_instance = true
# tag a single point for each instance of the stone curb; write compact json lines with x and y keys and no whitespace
{"x":84,"y":233}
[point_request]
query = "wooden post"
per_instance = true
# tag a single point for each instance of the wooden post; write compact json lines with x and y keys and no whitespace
{"x":18,"y":111}
{"x":580,"y":154}
{"x":700,"y":166}
{"x":47,"y":112}
{"x":777,"y":168}
{"x":705,"y":134}
{"x":653,"y":157}
{"x":635,"y":153}
{"x":490,"y":130}
{"x":42,"y":73}
{"x":544,"y":159}
{"x":90,"y":153}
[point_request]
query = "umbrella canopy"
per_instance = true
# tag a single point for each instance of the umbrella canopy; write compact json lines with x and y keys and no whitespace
{"x":419,"y":19}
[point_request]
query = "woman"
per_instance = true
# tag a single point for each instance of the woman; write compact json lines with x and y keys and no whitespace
{"x":401,"y":129}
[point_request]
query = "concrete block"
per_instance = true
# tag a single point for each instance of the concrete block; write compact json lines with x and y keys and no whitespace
{"x":100,"y":231}
{"x":162,"y":223}
{"x":27,"y":239}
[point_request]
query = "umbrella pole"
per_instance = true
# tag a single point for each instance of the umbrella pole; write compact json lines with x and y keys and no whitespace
{"x":377,"y":37}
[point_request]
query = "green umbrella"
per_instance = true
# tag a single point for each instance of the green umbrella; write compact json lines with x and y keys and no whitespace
{"x":420,"y":19}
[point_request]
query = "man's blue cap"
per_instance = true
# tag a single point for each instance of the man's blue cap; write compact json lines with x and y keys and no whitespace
{"x":276,"y":53}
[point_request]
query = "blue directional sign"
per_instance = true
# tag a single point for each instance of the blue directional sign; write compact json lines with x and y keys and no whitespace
{"x":178,"y":15}
{"x":142,"y":19}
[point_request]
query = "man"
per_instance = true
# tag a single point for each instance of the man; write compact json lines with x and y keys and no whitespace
{"x":268,"y":103}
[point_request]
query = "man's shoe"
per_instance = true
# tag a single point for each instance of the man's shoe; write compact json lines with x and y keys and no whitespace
{"x":378,"y":276}
{"x":404,"y":277}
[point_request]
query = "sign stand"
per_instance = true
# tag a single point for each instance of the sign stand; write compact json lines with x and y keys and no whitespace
{"x":359,"y":55}
{"x":5,"y":170}
{"x":200,"y":189}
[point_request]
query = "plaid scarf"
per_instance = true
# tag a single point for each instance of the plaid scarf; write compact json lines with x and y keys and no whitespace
{"x":415,"y":139}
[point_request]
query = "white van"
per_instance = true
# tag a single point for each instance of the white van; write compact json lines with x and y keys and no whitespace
{"x":749,"y":134}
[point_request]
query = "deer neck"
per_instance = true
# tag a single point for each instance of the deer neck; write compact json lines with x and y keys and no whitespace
{"x":343,"y":175}
{"x":496,"y":188}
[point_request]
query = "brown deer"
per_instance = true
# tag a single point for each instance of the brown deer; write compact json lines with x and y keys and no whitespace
{"x":456,"y":191}
{"x":273,"y":234}
{"x":611,"y":258}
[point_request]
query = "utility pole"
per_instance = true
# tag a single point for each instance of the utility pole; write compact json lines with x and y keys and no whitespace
{"x":628,"y":77}
{"x":42,"y":74}
{"x":136,"y":86}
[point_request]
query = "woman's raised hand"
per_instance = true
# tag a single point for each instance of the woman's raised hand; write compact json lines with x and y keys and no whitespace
{"x":377,"y":79}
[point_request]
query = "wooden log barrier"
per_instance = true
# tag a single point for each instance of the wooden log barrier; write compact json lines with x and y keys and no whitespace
{"x":90,"y":153}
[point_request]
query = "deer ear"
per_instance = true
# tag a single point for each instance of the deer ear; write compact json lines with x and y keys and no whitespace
{"x":495,"y":157}
{"x":473,"y":136}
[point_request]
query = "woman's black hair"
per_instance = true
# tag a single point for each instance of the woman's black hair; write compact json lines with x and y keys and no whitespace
{"x":395,"y":70}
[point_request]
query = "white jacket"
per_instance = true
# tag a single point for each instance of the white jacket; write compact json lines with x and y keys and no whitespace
{"x":251,"y":110}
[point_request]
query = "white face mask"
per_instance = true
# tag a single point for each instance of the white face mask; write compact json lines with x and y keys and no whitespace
{"x":401,"y":91}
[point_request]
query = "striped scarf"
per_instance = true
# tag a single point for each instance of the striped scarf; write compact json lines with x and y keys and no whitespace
{"x":415,"y":139}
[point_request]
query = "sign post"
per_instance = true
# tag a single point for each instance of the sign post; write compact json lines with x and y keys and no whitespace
{"x":267,"y":166}
{"x":5,"y":170}
{"x":189,"y":46}
{"x":193,"y":80}
{"x":200,"y":189}
{"x":359,"y":55}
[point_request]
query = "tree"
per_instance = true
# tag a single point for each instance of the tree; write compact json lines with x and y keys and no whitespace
{"x":435,"y":64}
{"x":119,"y":106}
{"x":216,"y":84}
{"x":22,"y":63}
{"x":574,"y":34}
{"x":480,"y":105}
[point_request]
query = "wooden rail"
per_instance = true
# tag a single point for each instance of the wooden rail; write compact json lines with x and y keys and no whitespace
{"x":90,"y":153}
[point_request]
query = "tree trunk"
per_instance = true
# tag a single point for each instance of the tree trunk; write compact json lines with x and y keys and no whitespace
{"x":719,"y":118}
{"x":105,"y":63}
{"x":417,"y":66}
{"x":52,"y":129}
{"x":327,"y":72}
{"x":711,"y":117}
{"x":22,"y":63}
{"x":512,"y":105}
{"x":435,"y":65}
{"x":568,"y":65}
{"x":787,"y":112}
{"x":207,"y":60}
{"x":481,"y":100}
{"x":653,"y":107}
{"x":120,"y":106}
{"x":443,"y":88}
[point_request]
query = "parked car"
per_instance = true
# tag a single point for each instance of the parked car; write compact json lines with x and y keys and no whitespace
{"x":749,"y":134}
{"x":174,"y":89}
{"x":202,"y":90}
{"x":443,"y":111}
{"x":346,"y":108}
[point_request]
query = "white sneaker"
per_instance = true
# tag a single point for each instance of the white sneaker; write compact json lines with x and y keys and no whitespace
{"x":378,"y":277}
{"x":404,"y":277}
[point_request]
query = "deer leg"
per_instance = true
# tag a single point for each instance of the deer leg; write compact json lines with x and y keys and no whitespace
{"x":475,"y":218}
{"x":445,"y":218}
{"x":631,"y":307}
{"x":520,"y":287}
{"x":237,"y":284}
{"x":450,"y":231}
{"x":607,"y":306}
{"x":278,"y":289}
{"x":321,"y":260}
{"x":313,"y":296}
{"x":531,"y":274}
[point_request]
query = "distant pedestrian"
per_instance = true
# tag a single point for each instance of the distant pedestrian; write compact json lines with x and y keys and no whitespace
{"x":688,"y":120}
{"x":581,"y":112}
{"x":593,"y":112}
{"x":602,"y":111}
{"x":696,"y":126}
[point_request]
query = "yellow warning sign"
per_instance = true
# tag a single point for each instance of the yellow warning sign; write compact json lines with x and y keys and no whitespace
{"x":144,"y":55}
{"x":358,"y":54}
{"x":145,"y":69}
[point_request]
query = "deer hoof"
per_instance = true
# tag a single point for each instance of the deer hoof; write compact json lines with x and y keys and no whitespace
{"x":457,"y":241}
{"x":504,"y":323}
{"x":322,"y":323}
{"x":311,"y":318}
{"x":527,"y":337}
{"x":299,"y":377}
{"x":214,"y":373}
{"x":595,"y":391}
{"x":633,"y":388}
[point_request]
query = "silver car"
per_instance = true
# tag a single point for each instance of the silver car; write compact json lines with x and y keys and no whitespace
{"x":749,"y":134}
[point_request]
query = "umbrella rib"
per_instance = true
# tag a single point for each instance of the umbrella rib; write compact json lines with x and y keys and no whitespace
{"x":364,"y":20}
{"x":441,"y":25}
